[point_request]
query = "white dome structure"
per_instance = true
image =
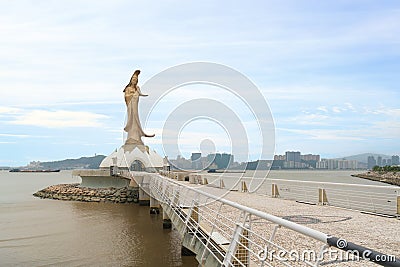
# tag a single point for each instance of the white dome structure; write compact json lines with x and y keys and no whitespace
{"x":128,"y":154}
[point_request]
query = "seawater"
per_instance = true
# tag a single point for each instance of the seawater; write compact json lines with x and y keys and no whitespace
{"x":43,"y":232}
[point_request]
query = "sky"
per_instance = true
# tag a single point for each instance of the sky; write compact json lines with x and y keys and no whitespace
{"x":329,"y":71}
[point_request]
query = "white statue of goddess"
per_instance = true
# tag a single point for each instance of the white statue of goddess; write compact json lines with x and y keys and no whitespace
{"x":133,"y":126}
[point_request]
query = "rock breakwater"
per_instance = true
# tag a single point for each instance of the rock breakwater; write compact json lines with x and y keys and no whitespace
{"x":72,"y":192}
{"x":392,"y":178}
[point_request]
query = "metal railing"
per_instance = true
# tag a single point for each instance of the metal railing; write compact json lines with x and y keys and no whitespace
{"x":370,"y":198}
{"x":236,"y":235}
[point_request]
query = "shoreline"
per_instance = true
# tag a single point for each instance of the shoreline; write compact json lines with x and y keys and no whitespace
{"x":391,"y":178}
{"x":72,"y":192}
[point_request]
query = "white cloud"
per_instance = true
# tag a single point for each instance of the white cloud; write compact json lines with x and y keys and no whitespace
{"x":60,"y":119}
{"x":9,"y":110}
{"x":389,"y":129}
{"x":15,"y":135}
{"x":327,"y":134}
{"x":350,"y":107}
{"x":311,"y":119}
{"x":393,"y":112}
{"x":337,"y":109}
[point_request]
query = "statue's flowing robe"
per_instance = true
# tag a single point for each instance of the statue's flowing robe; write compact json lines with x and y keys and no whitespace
{"x":133,"y":126}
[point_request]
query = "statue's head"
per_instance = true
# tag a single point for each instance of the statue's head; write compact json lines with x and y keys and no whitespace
{"x":135,"y":76}
{"x":134,"y":79}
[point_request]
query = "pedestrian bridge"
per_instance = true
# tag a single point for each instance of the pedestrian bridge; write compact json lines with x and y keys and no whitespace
{"x":221,"y":232}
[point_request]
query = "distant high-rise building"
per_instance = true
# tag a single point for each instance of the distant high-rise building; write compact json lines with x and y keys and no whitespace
{"x":293,"y":156}
{"x":310,"y":160}
{"x":322,"y":164}
{"x":379,"y":161}
{"x":347,"y":164}
{"x":310,"y":157}
{"x":395,"y":160}
{"x":389,"y":162}
{"x":332,"y":164}
{"x":371,"y":162}
{"x":226,"y":159}
{"x":384,"y":162}
{"x":279,"y":157}
{"x":223,"y":160}
{"x":196,"y":161}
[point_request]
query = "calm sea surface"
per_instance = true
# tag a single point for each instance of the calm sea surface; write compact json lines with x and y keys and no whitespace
{"x":41,"y":232}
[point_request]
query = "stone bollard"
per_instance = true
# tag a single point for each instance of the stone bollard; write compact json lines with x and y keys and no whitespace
{"x":244,"y":187}
{"x":275,"y":191}
{"x":181,"y":176}
{"x":199,"y":180}
{"x":192,"y":178}
{"x":221,"y":183}
{"x":322,"y":198}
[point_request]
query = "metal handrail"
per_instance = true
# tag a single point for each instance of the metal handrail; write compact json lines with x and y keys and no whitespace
{"x":358,"y":196}
{"x":300,"y":181}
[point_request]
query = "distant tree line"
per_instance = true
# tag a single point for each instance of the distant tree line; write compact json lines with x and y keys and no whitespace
{"x":386,"y":168}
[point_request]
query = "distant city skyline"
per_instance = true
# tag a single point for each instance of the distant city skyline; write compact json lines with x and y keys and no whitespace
{"x":329,"y":73}
{"x":290,"y":160}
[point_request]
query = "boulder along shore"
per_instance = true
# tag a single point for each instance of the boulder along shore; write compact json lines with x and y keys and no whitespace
{"x":72,"y":192}
{"x":392,"y":178}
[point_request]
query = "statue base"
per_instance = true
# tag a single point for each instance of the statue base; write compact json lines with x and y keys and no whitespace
{"x":130,"y":156}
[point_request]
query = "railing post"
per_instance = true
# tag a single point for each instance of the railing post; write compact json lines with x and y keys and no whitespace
{"x":242,"y":251}
{"x":176,"y":198}
{"x":193,"y":216}
{"x":322,"y":198}
{"x":275,"y":191}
